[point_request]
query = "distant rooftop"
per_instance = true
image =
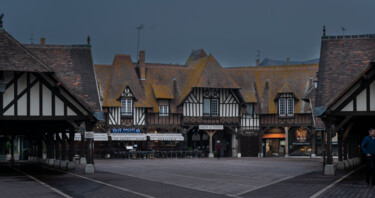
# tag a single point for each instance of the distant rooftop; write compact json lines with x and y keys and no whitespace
{"x":358,"y":36}
{"x":268,"y":61}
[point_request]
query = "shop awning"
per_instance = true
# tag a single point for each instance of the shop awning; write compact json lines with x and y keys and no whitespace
{"x":274,"y":135}
{"x":166,"y":136}
{"x":97,"y":137}
{"x":128,"y":137}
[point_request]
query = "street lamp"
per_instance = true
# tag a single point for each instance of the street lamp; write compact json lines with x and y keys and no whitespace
{"x":3,"y":83}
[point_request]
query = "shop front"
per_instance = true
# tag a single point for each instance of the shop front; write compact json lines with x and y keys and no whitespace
{"x":300,"y":142}
{"x":274,"y":144}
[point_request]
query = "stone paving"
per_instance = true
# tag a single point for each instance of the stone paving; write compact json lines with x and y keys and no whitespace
{"x":245,"y":177}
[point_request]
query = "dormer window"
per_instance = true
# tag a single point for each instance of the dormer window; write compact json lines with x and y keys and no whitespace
{"x":250,"y":110}
{"x":286,"y":105}
{"x":126,"y":107}
{"x":163,"y":108}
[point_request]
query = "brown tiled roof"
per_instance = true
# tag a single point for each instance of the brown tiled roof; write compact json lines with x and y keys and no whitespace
{"x":268,"y":81}
{"x":103,"y":73}
{"x":172,"y":78}
{"x":15,"y":57}
{"x":341,"y":60}
{"x":162,"y":91}
{"x":123,"y":75}
{"x":195,"y":55}
{"x":73,"y":66}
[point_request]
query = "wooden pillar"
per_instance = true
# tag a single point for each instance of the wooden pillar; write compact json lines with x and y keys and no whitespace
{"x":12,"y":149}
{"x":329,"y":143}
{"x":50,"y":148}
{"x":313,"y":142}
{"x":57,"y":146}
{"x":63,"y":145}
{"x":345,"y":150}
{"x":339,"y":139}
{"x":286,"y":129}
{"x":39,"y":145}
{"x":210,"y":134}
{"x":71,"y":145}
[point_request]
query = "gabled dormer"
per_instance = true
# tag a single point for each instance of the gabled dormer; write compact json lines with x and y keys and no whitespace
{"x":286,"y":102}
{"x":127,"y":102}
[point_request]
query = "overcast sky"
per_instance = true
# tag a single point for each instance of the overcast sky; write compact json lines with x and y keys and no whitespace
{"x":231,"y":30}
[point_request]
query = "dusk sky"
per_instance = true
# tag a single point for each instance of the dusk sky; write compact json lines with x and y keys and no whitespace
{"x":232,"y":31}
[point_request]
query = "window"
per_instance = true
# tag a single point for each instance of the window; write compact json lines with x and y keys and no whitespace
{"x":210,"y":107}
{"x":250,"y":111}
{"x":286,"y":106}
{"x":163,"y":110}
{"x":290,"y":106}
{"x":126,"y":107}
{"x":282,"y":106}
{"x":206,"y":106}
{"x":215,"y":107}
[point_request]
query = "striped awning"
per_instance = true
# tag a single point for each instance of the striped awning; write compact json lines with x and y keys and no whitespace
{"x":128,"y":137}
{"x":166,"y":136}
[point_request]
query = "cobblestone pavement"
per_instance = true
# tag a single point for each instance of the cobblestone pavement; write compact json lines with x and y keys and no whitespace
{"x":246,"y":177}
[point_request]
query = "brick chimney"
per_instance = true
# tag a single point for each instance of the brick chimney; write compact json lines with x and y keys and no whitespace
{"x":142,"y":64}
{"x":43,"y":41}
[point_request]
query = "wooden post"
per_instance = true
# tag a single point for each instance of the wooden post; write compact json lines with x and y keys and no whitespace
{"x":339,"y":139}
{"x":286,"y":141}
{"x":210,"y":134}
{"x":57,"y":146}
{"x":63,"y":146}
{"x":71,"y":145}
{"x":329,"y":143}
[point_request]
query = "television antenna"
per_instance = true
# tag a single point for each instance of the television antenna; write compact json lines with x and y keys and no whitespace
{"x":139,"y":28}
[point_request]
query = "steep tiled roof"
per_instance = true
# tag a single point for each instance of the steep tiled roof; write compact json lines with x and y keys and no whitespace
{"x":73,"y":66}
{"x":162,"y":91}
{"x":341,"y":60}
{"x":15,"y":57}
{"x":123,"y":75}
{"x":103,"y":73}
{"x":267,"y":81}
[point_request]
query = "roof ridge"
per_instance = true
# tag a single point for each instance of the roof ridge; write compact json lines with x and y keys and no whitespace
{"x":27,"y":51}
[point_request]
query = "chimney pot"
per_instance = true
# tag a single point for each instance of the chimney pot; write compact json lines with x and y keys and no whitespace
{"x":257,"y":62}
{"x":287,"y":60}
{"x":43,"y":41}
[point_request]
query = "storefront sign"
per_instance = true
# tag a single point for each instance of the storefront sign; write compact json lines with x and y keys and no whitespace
{"x":89,"y":135}
{"x":211,"y":127}
{"x":124,"y":130}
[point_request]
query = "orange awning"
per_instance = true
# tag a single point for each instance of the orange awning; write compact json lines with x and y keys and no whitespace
{"x":275,"y":135}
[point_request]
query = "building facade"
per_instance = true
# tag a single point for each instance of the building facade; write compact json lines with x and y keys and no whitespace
{"x":252,"y":111}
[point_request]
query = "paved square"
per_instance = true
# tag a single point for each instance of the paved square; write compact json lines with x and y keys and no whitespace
{"x":224,"y":176}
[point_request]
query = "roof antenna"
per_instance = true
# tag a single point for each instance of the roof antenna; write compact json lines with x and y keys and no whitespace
{"x":139,"y":28}
{"x":343,"y":32}
{"x":31,"y":38}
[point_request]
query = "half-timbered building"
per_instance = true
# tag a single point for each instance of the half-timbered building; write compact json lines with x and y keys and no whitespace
{"x":345,"y":94}
{"x":46,"y":93}
{"x":244,"y":108}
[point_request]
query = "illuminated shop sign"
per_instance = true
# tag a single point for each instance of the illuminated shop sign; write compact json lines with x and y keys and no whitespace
{"x":123,"y":130}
